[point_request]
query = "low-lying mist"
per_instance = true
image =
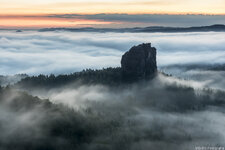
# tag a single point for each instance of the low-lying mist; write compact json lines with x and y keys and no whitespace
{"x":164,"y":113}
{"x":93,"y":109}
{"x":34,"y":52}
{"x":209,"y":76}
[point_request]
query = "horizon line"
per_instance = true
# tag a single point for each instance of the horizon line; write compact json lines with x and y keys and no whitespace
{"x":106,"y":27}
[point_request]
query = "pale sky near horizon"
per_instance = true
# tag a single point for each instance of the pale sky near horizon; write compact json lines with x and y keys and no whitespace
{"x":112,"y":6}
{"x":29,"y":14}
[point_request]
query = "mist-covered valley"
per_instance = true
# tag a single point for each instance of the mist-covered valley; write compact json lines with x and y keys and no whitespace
{"x":182,"y":107}
{"x":61,"y":52}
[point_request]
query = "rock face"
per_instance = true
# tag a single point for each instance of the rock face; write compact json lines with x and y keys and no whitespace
{"x":139,"y":63}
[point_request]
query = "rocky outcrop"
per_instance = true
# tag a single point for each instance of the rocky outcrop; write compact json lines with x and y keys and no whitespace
{"x":139,"y":63}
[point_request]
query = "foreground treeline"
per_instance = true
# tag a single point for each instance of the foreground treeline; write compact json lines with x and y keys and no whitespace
{"x":136,"y":116}
{"x":28,"y":123}
{"x":96,"y":110}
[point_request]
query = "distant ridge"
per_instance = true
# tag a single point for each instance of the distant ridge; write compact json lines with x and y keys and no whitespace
{"x":212,"y":28}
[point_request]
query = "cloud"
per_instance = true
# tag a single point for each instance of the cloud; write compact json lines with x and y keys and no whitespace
{"x":202,"y":75}
{"x":35,"y":53}
{"x":152,"y":19}
{"x":162,"y":113}
{"x":6,"y":80}
{"x":110,"y":20}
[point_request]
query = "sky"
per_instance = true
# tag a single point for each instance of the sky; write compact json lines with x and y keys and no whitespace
{"x":109,"y":13}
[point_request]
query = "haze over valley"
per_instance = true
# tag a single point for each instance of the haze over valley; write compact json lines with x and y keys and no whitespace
{"x":112,"y":75}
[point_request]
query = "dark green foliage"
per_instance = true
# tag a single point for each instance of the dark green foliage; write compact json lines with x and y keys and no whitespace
{"x":137,"y":113}
{"x":109,"y":76}
{"x":106,"y":125}
{"x":55,"y":127}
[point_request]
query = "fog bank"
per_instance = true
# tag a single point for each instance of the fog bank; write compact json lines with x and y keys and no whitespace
{"x":35,"y":53}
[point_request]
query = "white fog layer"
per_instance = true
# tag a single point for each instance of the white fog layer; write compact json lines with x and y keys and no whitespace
{"x":34,"y":53}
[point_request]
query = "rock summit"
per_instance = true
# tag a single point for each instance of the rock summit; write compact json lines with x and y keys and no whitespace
{"x":139,"y":63}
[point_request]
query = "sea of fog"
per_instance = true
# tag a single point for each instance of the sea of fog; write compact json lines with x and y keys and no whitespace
{"x":33,"y":52}
{"x":59,"y":52}
{"x":159,"y":114}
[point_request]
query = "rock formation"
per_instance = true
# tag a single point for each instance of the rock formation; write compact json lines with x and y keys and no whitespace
{"x":139,"y":63}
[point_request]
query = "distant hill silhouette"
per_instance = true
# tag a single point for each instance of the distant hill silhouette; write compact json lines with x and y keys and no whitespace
{"x":215,"y":28}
